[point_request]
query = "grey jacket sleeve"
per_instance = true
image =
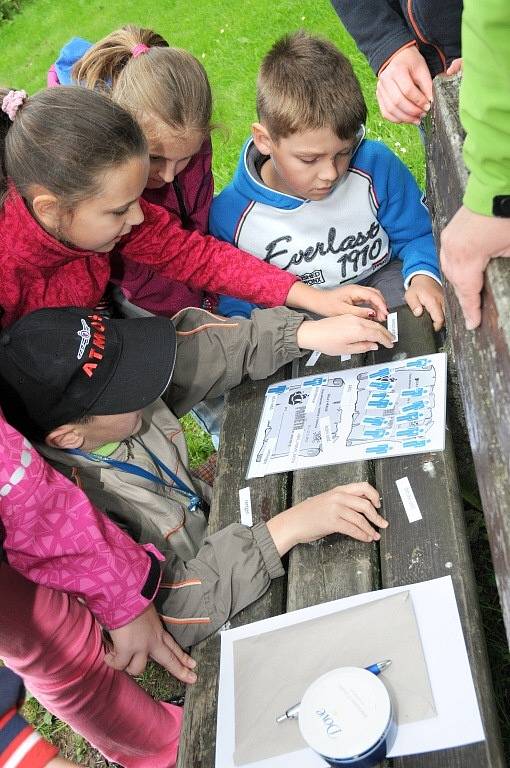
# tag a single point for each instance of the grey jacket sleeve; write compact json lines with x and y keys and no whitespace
{"x":233,"y":568}
{"x":214,"y":354}
{"x":377,"y":26}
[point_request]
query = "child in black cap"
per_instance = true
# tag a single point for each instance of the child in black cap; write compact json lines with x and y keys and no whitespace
{"x":91,"y":390}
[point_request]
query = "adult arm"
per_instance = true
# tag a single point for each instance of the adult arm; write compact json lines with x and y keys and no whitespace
{"x":404,"y":86}
{"x":475,"y":235}
{"x":377,"y":27}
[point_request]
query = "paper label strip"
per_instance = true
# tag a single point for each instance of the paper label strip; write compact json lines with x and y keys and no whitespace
{"x":245,"y":504}
{"x":392,"y":325}
{"x":313,"y":358}
{"x":408,"y":500}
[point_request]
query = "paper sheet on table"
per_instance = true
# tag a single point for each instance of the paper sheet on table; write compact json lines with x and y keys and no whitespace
{"x":391,"y":409}
{"x":458,"y":719}
{"x":273,"y":670}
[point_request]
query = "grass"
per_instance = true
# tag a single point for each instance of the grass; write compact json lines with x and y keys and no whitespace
{"x":229,"y":37}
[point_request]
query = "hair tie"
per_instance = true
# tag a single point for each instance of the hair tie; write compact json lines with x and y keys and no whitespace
{"x":12,"y":102}
{"x":138,"y":49}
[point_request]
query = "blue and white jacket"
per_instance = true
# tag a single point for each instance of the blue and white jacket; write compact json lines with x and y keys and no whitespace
{"x":375,"y":213}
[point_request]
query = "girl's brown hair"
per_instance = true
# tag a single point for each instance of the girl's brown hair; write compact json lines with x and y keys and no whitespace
{"x":168,"y":83}
{"x":65,"y":139}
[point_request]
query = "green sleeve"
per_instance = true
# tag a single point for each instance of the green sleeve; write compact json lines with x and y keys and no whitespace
{"x":485,"y":101}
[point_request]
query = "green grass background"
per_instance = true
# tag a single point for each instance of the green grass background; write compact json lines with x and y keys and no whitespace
{"x":229,"y":37}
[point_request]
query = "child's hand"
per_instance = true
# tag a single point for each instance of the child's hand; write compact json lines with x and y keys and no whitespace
{"x":426,"y":292}
{"x":143,"y":637}
{"x":345,"y":509}
{"x":338,"y":301}
{"x":343,"y":335}
{"x":344,"y":301}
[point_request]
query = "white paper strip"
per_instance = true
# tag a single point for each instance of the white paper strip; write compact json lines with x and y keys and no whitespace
{"x":313,"y":358}
{"x":408,"y":500}
{"x":344,"y":358}
{"x":392,"y":325}
{"x":245,"y":504}
{"x":325,"y":428}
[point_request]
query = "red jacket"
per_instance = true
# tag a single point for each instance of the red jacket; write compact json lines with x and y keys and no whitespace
{"x":38,"y":271}
{"x":140,"y":284}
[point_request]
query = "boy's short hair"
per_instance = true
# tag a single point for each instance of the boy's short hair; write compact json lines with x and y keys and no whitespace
{"x":305,"y":83}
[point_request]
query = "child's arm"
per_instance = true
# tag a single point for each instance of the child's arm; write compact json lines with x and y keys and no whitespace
{"x":426,"y":293}
{"x":146,"y":637}
{"x":229,"y":350}
{"x":340,"y":301}
{"x":347,"y":509}
{"x":235,"y":566}
{"x":211,"y":265}
{"x":405,"y":217}
{"x":55,"y":537}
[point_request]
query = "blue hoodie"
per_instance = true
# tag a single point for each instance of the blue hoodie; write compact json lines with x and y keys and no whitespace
{"x":374,"y":213}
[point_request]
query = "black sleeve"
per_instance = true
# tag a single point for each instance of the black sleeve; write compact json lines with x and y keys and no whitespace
{"x":377,"y":26}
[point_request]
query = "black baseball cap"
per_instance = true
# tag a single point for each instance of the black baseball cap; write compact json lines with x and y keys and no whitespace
{"x":68,"y":363}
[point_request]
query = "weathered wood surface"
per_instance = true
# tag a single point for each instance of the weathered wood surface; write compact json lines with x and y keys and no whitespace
{"x":336,"y":566}
{"x":481,"y":357}
{"x":269,"y":496}
{"x":432,"y":547}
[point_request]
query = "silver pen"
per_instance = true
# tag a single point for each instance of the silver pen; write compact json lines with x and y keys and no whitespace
{"x":376,"y":669}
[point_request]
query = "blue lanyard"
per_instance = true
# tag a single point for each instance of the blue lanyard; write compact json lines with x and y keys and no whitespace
{"x":195,"y":501}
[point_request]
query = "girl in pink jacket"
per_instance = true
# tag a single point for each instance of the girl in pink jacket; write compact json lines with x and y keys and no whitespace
{"x":52,"y":535}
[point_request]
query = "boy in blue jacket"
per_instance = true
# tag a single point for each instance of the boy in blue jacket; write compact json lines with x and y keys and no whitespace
{"x":313,"y":196}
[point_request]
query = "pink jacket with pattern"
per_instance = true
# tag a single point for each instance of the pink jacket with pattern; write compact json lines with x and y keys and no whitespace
{"x":54,"y":536}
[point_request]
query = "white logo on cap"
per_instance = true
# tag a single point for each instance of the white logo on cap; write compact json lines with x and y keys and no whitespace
{"x":85,"y":338}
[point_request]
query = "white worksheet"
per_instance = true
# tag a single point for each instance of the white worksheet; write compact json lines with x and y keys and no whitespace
{"x":458,"y":719}
{"x":390,"y":409}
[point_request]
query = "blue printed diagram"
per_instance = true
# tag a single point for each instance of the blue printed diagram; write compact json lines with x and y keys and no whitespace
{"x":299,"y":408}
{"x":394,"y":408}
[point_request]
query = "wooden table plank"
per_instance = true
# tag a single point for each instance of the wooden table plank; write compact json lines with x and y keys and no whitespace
{"x":339,"y":566}
{"x":436,"y":546}
{"x":268,"y":496}
{"x":336,"y":566}
{"x":482,"y":357}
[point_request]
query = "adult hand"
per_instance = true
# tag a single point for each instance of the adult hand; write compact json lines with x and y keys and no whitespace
{"x":468,"y":243}
{"x":345,"y":509}
{"x":343,"y":335}
{"x":455,"y":66}
{"x":143,"y":637}
{"x":425,"y":292}
{"x":404,"y":87}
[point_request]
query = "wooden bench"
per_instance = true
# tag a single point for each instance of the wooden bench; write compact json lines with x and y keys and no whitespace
{"x":480,"y":359}
{"x":337,"y":566}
